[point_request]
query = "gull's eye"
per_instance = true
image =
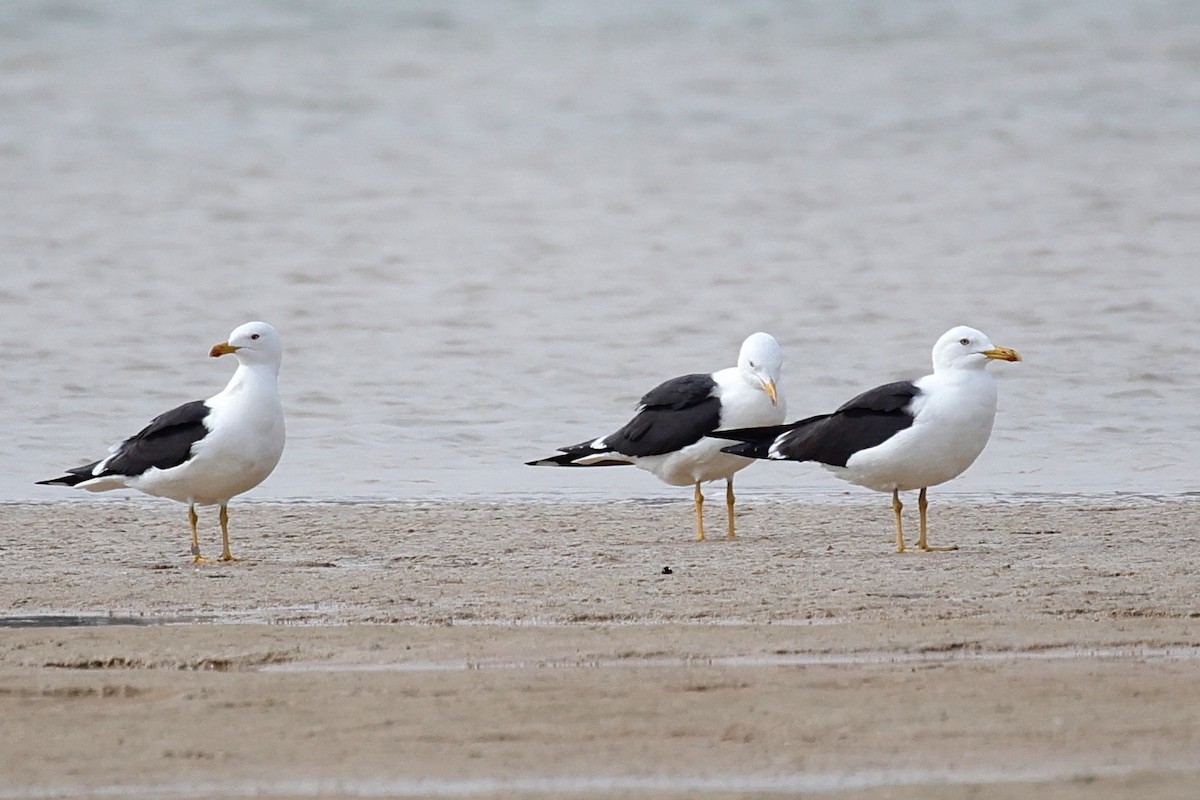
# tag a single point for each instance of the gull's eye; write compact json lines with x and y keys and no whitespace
{"x":257,"y":336}
{"x":963,"y":342}
{"x":753,"y":365}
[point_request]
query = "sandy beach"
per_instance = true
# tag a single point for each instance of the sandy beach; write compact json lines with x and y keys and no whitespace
{"x":542,"y":649}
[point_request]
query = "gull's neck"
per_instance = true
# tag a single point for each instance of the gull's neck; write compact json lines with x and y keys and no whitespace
{"x":253,"y":377}
{"x":962,"y":377}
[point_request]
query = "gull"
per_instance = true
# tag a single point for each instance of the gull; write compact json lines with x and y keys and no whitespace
{"x":206,"y":451}
{"x":900,"y":436}
{"x":669,"y":433}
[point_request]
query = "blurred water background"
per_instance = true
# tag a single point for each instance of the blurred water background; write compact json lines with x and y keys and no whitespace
{"x":486,"y":227}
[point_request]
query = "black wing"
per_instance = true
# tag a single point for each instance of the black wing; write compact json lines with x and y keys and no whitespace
{"x":866,"y":421}
{"x":680,"y":394}
{"x":886,"y":399}
{"x":166,"y":442}
{"x":671,"y":416}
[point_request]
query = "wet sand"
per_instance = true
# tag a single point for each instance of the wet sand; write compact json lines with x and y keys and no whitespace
{"x":539,"y":649}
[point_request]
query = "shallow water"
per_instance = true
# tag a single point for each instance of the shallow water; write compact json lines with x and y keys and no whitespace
{"x":486,"y":228}
{"x":90,"y":620}
{"x":788,"y":784}
{"x":772,"y":660}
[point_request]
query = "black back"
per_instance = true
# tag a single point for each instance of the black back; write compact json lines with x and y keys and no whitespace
{"x":166,"y":442}
{"x":866,"y":421}
{"x":673,"y":415}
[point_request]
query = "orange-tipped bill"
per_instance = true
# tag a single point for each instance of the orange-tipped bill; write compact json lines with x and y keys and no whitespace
{"x":772,"y":392}
{"x":1002,"y":354}
{"x":222,"y":349}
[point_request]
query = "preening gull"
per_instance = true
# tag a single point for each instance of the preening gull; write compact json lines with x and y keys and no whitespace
{"x":668,"y":434}
{"x":207,"y":451}
{"x":900,"y":436}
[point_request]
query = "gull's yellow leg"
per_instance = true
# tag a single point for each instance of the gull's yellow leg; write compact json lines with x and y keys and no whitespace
{"x":923,"y":504}
{"x":729,"y":506}
{"x":193,"y":519}
{"x":699,"y":514}
{"x":897,"y":506}
{"x":225,"y":554}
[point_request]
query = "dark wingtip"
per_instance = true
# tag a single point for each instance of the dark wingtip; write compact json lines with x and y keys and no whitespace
{"x":749,"y":449}
{"x":70,"y":479}
{"x":766,"y":434}
{"x":556,"y":460}
{"x":65,"y":480}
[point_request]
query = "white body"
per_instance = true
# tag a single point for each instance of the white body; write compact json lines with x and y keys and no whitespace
{"x":954,"y":420}
{"x":744,"y":404}
{"x":952,"y":423}
{"x":245,"y":442}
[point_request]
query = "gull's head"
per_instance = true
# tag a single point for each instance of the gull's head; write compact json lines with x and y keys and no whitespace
{"x":252,"y":343}
{"x":761,"y":362}
{"x":967,"y":348}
